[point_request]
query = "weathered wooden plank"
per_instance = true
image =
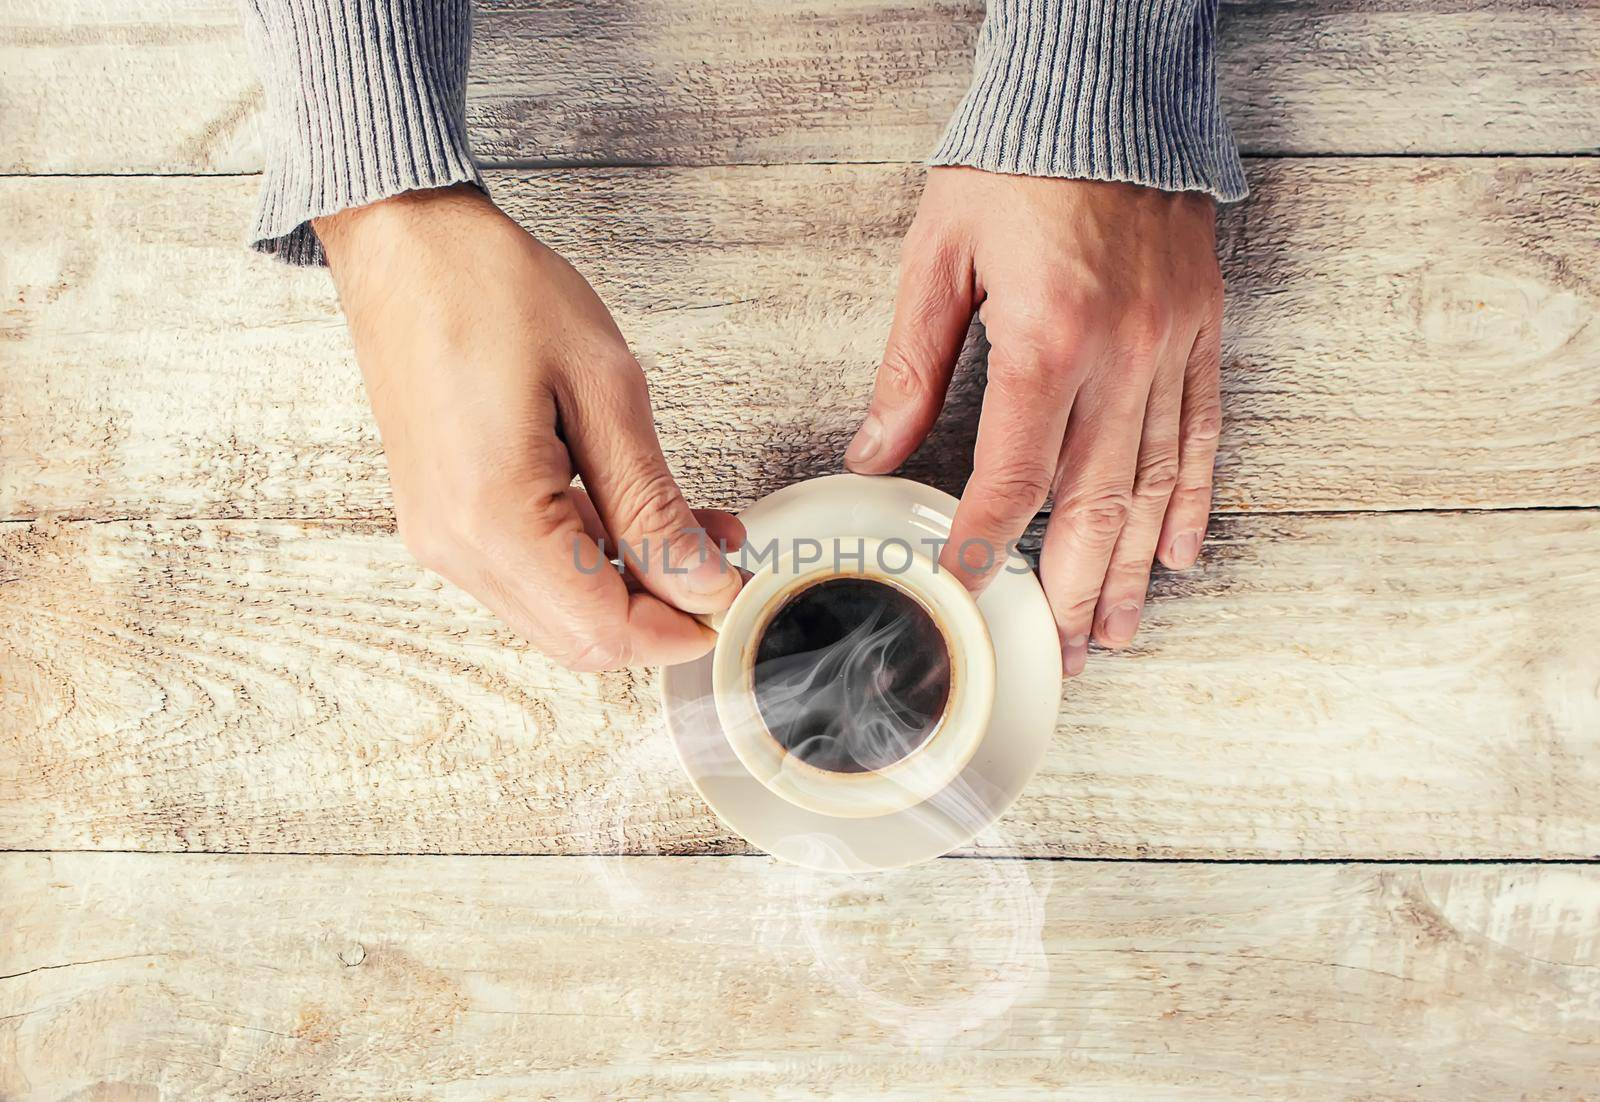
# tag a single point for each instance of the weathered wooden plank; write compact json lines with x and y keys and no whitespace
{"x":126,"y":86}
{"x":144,"y":976}
{"x":1399,"y":335}
{"x":165,"y":86}
{"x":1394,"y":685}
{"x":702,"y":82}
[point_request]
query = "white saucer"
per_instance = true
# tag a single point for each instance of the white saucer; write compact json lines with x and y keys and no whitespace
{"x":1027,"y":695}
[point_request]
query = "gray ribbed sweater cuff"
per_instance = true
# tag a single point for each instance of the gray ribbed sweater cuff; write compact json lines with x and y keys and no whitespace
{"x":1101,"y":90}
{"x":365,"y":99}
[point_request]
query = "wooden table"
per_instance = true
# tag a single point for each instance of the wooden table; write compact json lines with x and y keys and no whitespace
{"x":286,"y":817}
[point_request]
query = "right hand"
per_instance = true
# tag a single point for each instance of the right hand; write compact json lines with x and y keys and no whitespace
{"x":496,"y":374}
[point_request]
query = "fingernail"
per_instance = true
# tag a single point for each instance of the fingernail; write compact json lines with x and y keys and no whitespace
{"x":1074,"y":655}
{"x":868,"y":439}
{"x":1121,"y":622}
{"x":1184,"y":550}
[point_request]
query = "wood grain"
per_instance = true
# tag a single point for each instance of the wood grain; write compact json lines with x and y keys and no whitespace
{"x":1412,"y":334}
{"x":165,"y":85}
{"x":1403,"y":335}
{"x":146,"y":976}
{"x":126,"y":86}
{"x":771,"y":81}
{"x":1377,"y":686}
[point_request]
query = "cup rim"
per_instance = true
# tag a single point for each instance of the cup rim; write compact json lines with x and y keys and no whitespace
{"x":932,"y":765}
{"x":770,"y":610}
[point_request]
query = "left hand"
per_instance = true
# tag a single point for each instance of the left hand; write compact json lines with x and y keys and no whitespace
{"x":1102,"y":303}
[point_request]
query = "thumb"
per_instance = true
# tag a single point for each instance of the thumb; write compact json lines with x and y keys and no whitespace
{"x":660,"y":541}
{"x":931,"y":314}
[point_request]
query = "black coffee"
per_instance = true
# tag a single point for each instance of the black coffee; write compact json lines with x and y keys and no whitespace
{"x":851,"y":675}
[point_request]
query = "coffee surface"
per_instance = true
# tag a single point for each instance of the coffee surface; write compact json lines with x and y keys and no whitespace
{"x":851,"y":675}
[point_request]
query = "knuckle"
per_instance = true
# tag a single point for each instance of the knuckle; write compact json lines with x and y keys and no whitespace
{"x":1127,"y":574}
{"x":624,"y":373}
{"x":1041,"y":308}
{"x":1146,"y":326}
{"x":1157,"y":475}
{"x":1016,"y":491}
{"x":904,"y":373}
{"x":543,"y":513}
{"x":1203,"y":425}
{"x":1094,"y":302}
{"x":1070,"y":288}
{"x":652,"y":505}
{"x":1193,"y":494}
{"x":1035,"y":320}
{"x":611,"y":384}
{"x":1048,"y":322}
{"x":1075,"y":608}
{"x":1098,"y":516}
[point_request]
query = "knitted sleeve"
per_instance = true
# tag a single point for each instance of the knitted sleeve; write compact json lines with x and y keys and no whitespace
{"x":364,"y":99}
{"x":1100,"y":90}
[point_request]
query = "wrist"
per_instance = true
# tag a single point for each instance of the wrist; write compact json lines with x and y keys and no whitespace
{"x":403,"y":217}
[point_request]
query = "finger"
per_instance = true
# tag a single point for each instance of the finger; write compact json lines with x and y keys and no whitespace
{"x":1025,"y":408}
{"x":541,"y":572}
{"x":595,"y":529}
{"x":1094,"y":488}
{"x":932,"y":311}
{"x":611,"y":435}
{"x":1200,"y":427}
{"x":723,"y":529}
{"x":1127,"y":580}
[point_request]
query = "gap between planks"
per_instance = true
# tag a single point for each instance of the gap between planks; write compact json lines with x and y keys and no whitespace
{"x":1039,"y":520}
{"x":534,"y":164}
{"x":1443,"y":862}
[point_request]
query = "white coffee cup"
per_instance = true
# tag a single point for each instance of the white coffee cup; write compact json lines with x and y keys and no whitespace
{"x":928,"y":768}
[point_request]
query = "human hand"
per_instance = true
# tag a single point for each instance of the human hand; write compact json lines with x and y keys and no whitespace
{"x":1102,"y":304}
{"x":496,"y":374}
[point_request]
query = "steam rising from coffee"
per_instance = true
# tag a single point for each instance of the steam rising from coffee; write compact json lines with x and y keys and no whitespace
{"x":851,"y":675}
{"x":849,"y":679}
{"x":950,"y":984}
